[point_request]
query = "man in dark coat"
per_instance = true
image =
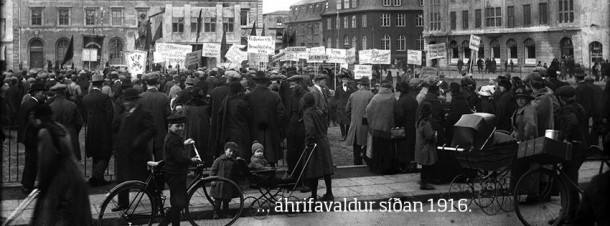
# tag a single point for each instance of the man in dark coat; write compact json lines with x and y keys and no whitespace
{"x":157,"y":103}
{"x":98,"y":143}
{"x":66,"y":112}
{"x":505,"y":106}
{"x":597,"y":129}
{"x":340,"y":101}
{"x":295,"y":130}
{"x":404,"y":116}
{"x":320,"y":93}
{"x":197,"y":124}
{"x":28,"y":135}
{"x":133,"y":136}
{"x":585,"y":97}
{"x":270,"y":114}
{"x":217,"y":95}
{"x":184,"y":95}
{"x":234,"y":120}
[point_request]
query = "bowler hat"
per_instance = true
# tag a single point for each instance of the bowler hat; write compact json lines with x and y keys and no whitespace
{"x":131,"y":94}
{"x":260,"y":76}
{"x":37,"y":87}
{"x":365,"y":81}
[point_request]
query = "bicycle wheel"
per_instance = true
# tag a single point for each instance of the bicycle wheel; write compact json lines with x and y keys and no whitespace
{"x":540,"y":198}
{"x":461,"y":188}
{"x":141,"y":208}
{"x":200,"y":209}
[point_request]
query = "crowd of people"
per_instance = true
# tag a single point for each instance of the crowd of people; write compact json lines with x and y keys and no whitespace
{"x":288,"y":108}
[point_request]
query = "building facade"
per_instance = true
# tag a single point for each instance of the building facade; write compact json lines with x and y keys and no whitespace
{"x":524,"y":31}
{"x":305,"y":21}
{"x":43,"y":29}
{"x":395,"y":25}
{"x":6,"y":34}
{"x":274,"y":26}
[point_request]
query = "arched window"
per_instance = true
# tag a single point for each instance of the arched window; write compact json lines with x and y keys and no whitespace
{"x":495,"y":49}
{"x":401,"y":43}
{"x":115,"y":51}
{"x":595,"y":52}
{"x":329,"y":43}
{"x":511,"y":49}
{"x":60,"y":49}
{"x":363,"y":42}
{"x":466,"y":49}
{"x":354,"y":22}
{"x":386,"y":42}
{"x":345,"y":42}
{"x":530,"y":48}
{"x":453,"y":46}
{"x":354,"y":44}
{"x":36,"y":54}
{"x":567,"y":48}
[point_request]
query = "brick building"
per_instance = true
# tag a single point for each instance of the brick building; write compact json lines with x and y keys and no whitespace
{"x":395,"y":25}
{"x":274,"y":25}
{"x":43,"y":28}
{"x":520,"y":30}
{"x":305,"y":20}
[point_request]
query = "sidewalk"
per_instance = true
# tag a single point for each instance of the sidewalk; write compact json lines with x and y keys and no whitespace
{"x":366,"y":188}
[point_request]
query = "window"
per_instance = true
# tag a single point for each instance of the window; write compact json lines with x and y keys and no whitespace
{"x":338,"y":23}
{"x":337,"y":42}
{"x":345,"y":42}
{"x":36,"y":54}
{"x":228,"y":24}
{"x":345,"y":22}
{"x":453,"y":47}
{"x":63,"y":16}
{"x":465,"y":19}
{"x":477,"y":18}
{"x":194,"y":24}
{"x":493,"y":17}
{"x":243,"y":14}
{"x":209,"y":24}
{"x":363,"y":20}
{"x":36,"y":16}
{"x":420,"y":20}
{"x":354,"y":22}
{"x":387,"y":2}
{"x":385,"y":20}
{"x":278,"y":33}
{"x":510,"y":14}
{"x":346,"y":4}
{"x":595,"y":52}
{"x":527,"y":15}
{"x":453,"y":22}
{"x":89,"y":16}
{"x":363,"y":42}
{"x":329,"y":24}
{"x":354,"y":3}
{"x":354,"y":44}
{"x":421,"y":2}
{"x":567,"y":48}
{"x":328,"y":43}
{"x":420,"y":42}
{"x":530,"y":49}
{"x":397,"y":2}
{"x":481,"y":53}
{"x":115,"y":51}
{"x":401,"y":43}
{"x":543,"y":13}
{"x":60,"y":49}
{"x":495,"y":49}
{"x":279,"y":21}
{"x":566,"y":11}
{"x":400,"y":20}
{"x":338,"y":4}
{"x":466,"y":49}
{"x":117,"y":17}
{"x":2,"y":28}
{"x":435,"y":21}
{"x":385,"y":42}
{"x":511,"y":47}
{"x":177,"y":24}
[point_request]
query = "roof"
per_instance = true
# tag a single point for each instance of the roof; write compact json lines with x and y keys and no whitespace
{"x":280,"y":12}
{"x":306,"y":2}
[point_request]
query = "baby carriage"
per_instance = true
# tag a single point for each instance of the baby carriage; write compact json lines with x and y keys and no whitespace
{"x":275,"y":190}
{"x":489,"y":153}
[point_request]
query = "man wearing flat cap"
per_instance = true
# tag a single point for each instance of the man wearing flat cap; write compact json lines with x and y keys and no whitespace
{"x":217,"y":95}
{"x":157,"y":103}
{"x":98,"y":142}
{"x":321,"y":93}
{"x":267,"y":106}
{"x":27,"y":135}
{"x":66,"y":112}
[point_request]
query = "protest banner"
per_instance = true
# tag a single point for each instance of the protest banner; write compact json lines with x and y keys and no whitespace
{"x":365,"y":56}
{"x":381,"y":56}
{"x":292,"y":56}
{"x":89,"y":54}
{"x":361,"y":70}
{"x":235,"y":55}
{"x":475,"y":42}
{"x":211,"y":50}
{"x":336,"y":55}
{"x":437,"y":51}
{"x":317,"y":55}
{"x":258,"y":58}
{"x":158,"y":58}
{"x":297,"y":52}
{"x":173,"y":50}
{"x":261,"y":44}
{"x":136,"y":62}
{"x":192,"y":59}
{"x":414,"y":57}
{"x":279,"y":56}
{"x":350,"y":56}
{"x":428,"y":72}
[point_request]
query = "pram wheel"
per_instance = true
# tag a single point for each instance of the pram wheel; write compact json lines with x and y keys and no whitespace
{"x":461,"y":187}
{"x":507,"y":194}
{"x":490,"y":199}
{"x":260,"y":207}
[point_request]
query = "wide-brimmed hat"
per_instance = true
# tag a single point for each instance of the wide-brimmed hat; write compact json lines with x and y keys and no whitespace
{"x":364,"y":81}
{"x":486,"y":91}
{"x":521,"y":92}
{"x":131,"y":94}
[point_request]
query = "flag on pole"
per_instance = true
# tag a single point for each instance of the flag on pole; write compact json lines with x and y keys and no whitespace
{"x":159,"y":33}
{"x":263,"y":32}
{"x":292,"y":40}
{"x":284,"y":40}
{"x":148,"y":36}
{"x":198,"y":27}
{"x":69,"y":52}
{"x":253,"y":32}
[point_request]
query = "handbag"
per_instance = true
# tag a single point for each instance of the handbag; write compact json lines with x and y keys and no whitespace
{"x":398,"y":133}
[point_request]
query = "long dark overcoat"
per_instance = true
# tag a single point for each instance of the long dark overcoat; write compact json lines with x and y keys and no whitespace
{"x":197,"y":127}
{"x":132,"y":152}
{"x":98,"y":142}
{"x":321,"y":161}
{"x":157,"y":104}
{"x":217,"y":95}
{"x":405,"y":111}
{"x":66,"y":112}
{"x":339,"y":102}
{"x":270,"y":116}
{"x":356,"y":107}
{"x":234,"y":116}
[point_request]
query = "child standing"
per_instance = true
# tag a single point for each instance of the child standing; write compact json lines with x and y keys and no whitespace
{"x":425,"y":145}
{"x":224,"y":166}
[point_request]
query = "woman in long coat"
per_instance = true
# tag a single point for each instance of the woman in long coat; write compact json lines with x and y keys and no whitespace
{"x":524,"y":120}
{"x":380,"y":115}
{"x":405,"y":111}
{"x":63,"y":198}
{"x":197,"y":126}
{"x":234,"y":117}
{"x":321,"y":163}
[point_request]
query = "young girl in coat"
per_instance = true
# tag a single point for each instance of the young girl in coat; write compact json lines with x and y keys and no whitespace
{"x":225,"y":166}
{"x":425,"y":145}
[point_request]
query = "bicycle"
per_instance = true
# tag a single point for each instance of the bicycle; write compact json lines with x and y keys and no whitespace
{"x":146,"y":203}
{"x":542,"y":195}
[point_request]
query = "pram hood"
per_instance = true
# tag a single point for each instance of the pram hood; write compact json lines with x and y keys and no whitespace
{"x":472,"y":130}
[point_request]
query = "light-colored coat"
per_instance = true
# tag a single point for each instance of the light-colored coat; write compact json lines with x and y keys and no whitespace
{"x":356,"y":108}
